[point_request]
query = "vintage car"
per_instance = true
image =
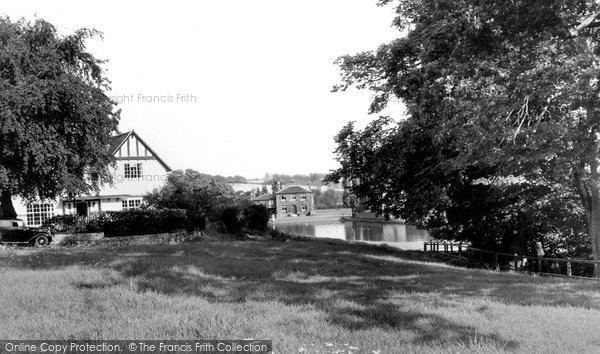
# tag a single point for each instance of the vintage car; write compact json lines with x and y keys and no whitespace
{"x":14,"y":231}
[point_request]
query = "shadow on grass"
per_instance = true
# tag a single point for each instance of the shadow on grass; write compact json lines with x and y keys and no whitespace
{"x":355,"y":286}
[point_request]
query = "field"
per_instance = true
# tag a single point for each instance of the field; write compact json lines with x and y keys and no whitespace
{"x":305,"y":296}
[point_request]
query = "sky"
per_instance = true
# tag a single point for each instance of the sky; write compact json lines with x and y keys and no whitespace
{"x":229,"y":87}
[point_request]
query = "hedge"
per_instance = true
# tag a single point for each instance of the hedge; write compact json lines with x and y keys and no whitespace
{"x":156,"y":221}
{"x":73,"y":224}
{"x":143,"y":221}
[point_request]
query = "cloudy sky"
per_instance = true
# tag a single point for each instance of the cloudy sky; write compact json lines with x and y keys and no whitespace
{"x":229,"y":87}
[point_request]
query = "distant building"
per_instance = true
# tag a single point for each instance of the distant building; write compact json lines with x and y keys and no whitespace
{"x":138,"y":170}
{"x":268,"y":200}
{"x":289,"y":201}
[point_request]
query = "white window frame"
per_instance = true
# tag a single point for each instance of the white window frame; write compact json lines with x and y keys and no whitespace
{"x":304,"y":208}
{"x":131,"y":204}
{"x":303,"y":197}
{"x":283,"y":198}
{"x":293,"y":198}
{"x":284,"y":209}
{"x":37,"y":213}
{"x":133,"y":171}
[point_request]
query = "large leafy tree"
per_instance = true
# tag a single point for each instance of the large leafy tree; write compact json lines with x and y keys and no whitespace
{"x":55,"y":118}
{"x":200,"y":194}
{"x":495,"y":90}
{"x":396,"y":170}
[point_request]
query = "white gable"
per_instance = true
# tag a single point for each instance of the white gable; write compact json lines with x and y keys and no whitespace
{"x":133,"y":147}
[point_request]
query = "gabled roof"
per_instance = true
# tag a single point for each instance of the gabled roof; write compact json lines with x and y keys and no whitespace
{"x":265,"y":197}
{"x":293,"y":190}
{"x":118,"y":140}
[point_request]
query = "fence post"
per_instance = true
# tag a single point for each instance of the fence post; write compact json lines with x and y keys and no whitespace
{"x":596,"y":270}
{"x":480,"y":257}
{"x":496,"y":262}
{"x":460,"y":250}
{"x":516,"y":262}
{"x":569,"y":270}
{"x":424,"y":246}
{"x":539,"y":262}
{"x":452,"y":248}
{"x":445,"y":247}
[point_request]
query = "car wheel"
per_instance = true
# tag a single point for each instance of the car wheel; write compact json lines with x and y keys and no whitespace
{"x":41,"y":241}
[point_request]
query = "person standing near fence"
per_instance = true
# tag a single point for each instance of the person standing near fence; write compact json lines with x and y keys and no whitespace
{"x":539,"y":250}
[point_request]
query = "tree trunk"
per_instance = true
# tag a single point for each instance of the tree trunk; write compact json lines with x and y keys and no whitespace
{"x":594,"y":188}
{"x":6,"y":206}
{"x":589,"y":192}
{"x":594,"y":223}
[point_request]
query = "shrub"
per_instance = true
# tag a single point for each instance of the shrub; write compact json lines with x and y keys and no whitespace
{"x":232,"y":219}
{"x":73,"y":224}
{"x":143,"y":221}
{"x":62,"y":223}
{"x":279,"y":235}
{"x":257,"y":217}
{"x":196,"y":220}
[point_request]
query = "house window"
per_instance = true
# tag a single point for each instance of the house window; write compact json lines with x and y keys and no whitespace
{"x":270,"y":203}
{"x":304,"y":208}
{"x":131,"y":204}
{"x":303,"y":197}
{"x":293,"y":198}
{"x":37,"y":213}
{"x":133,"y":170}
{"x":284,"y":209}
{"x":283,"y":198}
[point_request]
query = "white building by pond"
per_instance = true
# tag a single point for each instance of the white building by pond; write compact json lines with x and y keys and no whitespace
{"x":138,"y":171}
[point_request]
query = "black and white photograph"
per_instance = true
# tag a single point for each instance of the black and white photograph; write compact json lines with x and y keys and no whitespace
{"x":327,"y":177}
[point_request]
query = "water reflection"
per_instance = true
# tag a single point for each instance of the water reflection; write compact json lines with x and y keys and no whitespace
{"x":357,"y":231}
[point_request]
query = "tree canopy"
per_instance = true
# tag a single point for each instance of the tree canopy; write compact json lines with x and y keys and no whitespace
{"x":502,"y":100}
{"x":201,"y":194}
{"x":329,"y":199}
{"x":55,"y":118}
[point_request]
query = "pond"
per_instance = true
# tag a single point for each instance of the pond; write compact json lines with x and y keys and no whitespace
{"x":370,"y":231}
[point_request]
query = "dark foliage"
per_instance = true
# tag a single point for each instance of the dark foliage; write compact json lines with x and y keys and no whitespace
{"x":232,"y":218}
{"x":73,"y":224}
{"x":55,"y":116}
{"x":501,"y":135}
{"x":143,"y":221}
{"x":257,"y":217}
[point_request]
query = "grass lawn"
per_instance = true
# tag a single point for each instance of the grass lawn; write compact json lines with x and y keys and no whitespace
{"x":305,"y":296}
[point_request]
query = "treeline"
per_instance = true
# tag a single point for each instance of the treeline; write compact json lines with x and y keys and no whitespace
{"x":233,"y":179}
{"x":312,"y":179}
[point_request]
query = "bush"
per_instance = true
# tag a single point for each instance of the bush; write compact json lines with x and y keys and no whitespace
{"x":73,"y":224}
{"x":196,"y":220}
{"x":231,"y":218}
{"x":257,"y":217}
{"x":143,"y":221}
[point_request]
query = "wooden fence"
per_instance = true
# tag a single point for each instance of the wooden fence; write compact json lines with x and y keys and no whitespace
{"x":566,"y":267}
